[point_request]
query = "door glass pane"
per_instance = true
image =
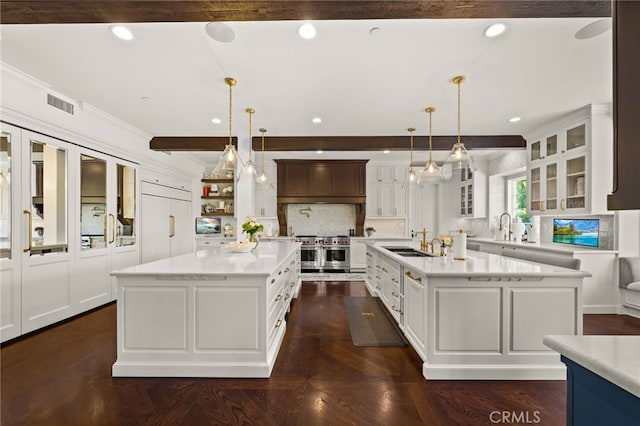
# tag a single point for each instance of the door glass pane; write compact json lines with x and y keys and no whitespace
{"x":552,"y":186}
{"x":125,"y":229}
{"x":576,"y":137}
{"x":552,"y":145}
{"x":48,"y":199}
{"x":5,"y":196}
{"x":93,"y":202}
{"x":535,"y":151}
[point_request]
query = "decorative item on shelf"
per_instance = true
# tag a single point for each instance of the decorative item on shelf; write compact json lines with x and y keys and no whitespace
{"x":227,"y":163}
{"x":228,"y":230}
{"x":459,"y":157}
{"x":262,"y":179}
{"x":251,"y":227}
{"x":213,"y":189}
{"x":446,"y":242}
{"x":249,"y":169}
{"x":432,"y":173}
{"x":413,"y":178}
{"x":370,"y":230}
{"x":227,"y":190}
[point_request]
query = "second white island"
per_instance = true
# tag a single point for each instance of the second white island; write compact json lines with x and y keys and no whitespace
{"x":480,"y":318}
{"x":211,"y":313}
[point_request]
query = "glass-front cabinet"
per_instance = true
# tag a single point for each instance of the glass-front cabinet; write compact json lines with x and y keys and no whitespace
{"x":67,"y":219}
{"x":557,"y":171}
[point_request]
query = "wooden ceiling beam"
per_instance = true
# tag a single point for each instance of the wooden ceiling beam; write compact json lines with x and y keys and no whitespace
{"x":336,"y":143}
{"x":190,"y":143}
{"x":101,"y":11}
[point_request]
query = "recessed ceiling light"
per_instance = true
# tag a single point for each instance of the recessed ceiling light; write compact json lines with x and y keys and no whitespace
{"x":514,"y":119}
{"x":316,"y":120}
{"x":593,"y":29}
{"x":220,"y":32}
{"x":121,"y":32}
{"x":319,"y":151}
{"x":307,"y":31}
{"x":386,"y":151}
{"x":495,"y":30}
{"x":216,"y":120}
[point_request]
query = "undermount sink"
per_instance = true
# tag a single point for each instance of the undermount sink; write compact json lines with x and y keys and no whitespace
{"x":408,"y":251}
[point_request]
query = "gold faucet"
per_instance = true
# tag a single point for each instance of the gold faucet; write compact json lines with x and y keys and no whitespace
{"x":424,"y":245}
{"x":440,"y":244}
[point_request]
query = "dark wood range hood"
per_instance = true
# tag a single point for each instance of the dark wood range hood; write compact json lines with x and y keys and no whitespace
{"x":322,"y":182}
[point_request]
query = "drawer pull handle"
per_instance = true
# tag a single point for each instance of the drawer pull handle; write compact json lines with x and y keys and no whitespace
{"x":279,"y":297}
{"x":278,"y":323}
{"x":273,"y":280}
{"x":413,"y":277}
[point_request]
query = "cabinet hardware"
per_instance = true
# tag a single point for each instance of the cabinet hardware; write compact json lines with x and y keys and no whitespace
{"x":394,"y":280}
{"x":286,"y":296}
{"x":28,"y":213}
{"x":287,"y":270}
{"x":278,"y":323}
{"x":104,"y":228}
{"x":273,"y":280}
{"x":413,"y":277}
{"x":279,"y":297}
{"x":113,"y":228}
{"x":172,"y":226}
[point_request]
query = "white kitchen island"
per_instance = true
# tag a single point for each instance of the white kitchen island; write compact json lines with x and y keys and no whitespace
{"x":211,"y":313}
{"x":480,"y":318}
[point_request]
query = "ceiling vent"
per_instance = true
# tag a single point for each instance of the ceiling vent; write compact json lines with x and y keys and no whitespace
{"x":61,"y":104}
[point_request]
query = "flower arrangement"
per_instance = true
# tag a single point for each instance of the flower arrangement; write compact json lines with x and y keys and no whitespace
{"x":445,"y":240}
{"x":252,"y":227}
{"x":370,"y":229}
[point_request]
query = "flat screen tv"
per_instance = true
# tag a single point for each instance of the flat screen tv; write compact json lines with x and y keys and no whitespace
{"x":208,"y":225}
{"x":579,"y":232}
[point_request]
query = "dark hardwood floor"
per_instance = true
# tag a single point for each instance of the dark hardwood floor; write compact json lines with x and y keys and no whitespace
{"x":62,"y":376}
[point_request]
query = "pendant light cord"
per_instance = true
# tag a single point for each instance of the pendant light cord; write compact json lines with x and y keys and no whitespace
{"x":230,"y":112}
{"x":459,"y":81}
{"x":430,"y":145}
{"x":250,"y":111}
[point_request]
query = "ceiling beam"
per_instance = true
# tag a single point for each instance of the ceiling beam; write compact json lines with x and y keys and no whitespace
{"x":336,"y":143}
{"x":190,"y":143}
{"x":67,"y":12}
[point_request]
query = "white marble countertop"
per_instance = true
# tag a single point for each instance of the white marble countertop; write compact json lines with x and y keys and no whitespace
{"x":615,"y":358}
{"x":549,"y":247}
{"x":476,"y":265}
{"x":218,"y":260}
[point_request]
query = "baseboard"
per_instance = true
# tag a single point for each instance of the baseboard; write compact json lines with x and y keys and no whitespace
{"x":494,"y":372}
{"x":600,"y":309}
{"x":629,"y":310}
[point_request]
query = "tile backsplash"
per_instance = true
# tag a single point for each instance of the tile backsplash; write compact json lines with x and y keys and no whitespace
{"x":321,"y":219}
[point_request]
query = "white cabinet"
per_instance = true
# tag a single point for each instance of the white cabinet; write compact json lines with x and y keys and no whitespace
{"x":473,"y":191}
{"x":386,"y":191}
{"x":569,"y":166}
{"x":357,"y":254}
{"x":211,"y":242}
{"x":266,"y":195}
{"x":415,"y":310}
{"x":167,"y":222}
{"x":423,"y":210}
{"x":383,"y":280}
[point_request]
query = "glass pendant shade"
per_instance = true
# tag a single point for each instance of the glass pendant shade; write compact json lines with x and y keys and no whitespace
{"x":413,"y":176}
{"x":262,"y":179}
{"x":249,"y":169}
{"x":432,"y":173}
{"x":459,"y":157}
{"x":227,"y":163}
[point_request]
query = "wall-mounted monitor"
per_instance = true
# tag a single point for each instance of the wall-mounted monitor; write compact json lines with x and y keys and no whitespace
{"x":208,"y":225}
{"x":579,"y":232}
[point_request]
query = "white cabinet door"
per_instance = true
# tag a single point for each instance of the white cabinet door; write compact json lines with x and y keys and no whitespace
{"x":400,"y":199}
{"x":155,"y":228}
{"x":385,"y":199}
{"x":373,"y":208}
{"x":415,"y":311}
{"x":182,"y":224}
{"x":12,"y":235}
{"x":357,"y":255}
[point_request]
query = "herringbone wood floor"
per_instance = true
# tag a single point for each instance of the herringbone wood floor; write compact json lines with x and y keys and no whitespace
{"x":62,"y":376}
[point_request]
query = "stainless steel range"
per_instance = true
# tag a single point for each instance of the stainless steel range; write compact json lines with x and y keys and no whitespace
{"x":336,"y":254}
{"x":310,"y":252}
{"x":324,"y":254}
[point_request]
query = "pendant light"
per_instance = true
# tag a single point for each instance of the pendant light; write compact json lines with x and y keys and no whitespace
{"x":249,"y":169}
{"x":459,"y":157}
{"x":262,"y":178}
{"x":431,"y":173}
{"x":227,"y":163}
{"x":413,"y":178}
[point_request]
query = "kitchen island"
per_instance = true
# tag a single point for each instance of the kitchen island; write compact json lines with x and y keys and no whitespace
{"x":211,"y":313}
{"x":480,"y":318}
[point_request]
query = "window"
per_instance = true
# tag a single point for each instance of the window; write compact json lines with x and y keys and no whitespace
{"x":517,"y":198}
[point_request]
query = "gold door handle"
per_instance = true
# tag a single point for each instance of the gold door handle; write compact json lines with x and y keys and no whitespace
{"x":413,"y":277}
{"x":104,"y":228}
{"x":113,"y":228}
{"x":29,"y":230}
{"x":172,"y":226}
